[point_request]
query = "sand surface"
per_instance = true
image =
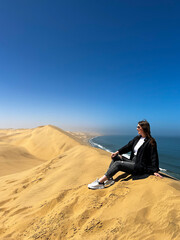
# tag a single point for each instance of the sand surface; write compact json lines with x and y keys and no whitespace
{"x":44,"y":195}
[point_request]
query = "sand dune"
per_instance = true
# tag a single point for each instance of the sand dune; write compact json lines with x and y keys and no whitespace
{"x":43,"y":142}
{"x":15,"y":159}
{"x":51,"y":200}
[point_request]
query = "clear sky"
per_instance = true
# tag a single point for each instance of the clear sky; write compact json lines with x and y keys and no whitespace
{"x":97,"y":65}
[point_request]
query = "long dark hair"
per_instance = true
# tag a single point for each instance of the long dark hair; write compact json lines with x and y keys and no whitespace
{"x":146,"y":128}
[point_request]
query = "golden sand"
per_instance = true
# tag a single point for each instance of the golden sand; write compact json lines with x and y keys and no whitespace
{"x":44,"y":195}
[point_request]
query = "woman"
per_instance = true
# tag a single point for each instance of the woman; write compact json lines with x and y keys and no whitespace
{"x":143,"y":159}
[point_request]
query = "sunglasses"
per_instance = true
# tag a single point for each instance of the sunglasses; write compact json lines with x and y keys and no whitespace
{"x":138,"y":127}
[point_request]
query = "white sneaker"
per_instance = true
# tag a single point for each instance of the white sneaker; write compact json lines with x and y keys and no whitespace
{"x":109,"y":182}
{"x":96,"y":185}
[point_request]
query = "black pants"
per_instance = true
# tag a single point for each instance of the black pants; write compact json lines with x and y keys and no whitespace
{"x":118,"y":164}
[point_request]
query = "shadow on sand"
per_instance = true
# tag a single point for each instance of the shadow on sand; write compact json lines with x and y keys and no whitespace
{"x":127,"y":177}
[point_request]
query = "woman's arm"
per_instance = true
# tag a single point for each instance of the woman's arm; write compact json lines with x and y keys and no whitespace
{"x":114,"y":154}
{"x":128,"y":147}
{"x":154,"y":157}
{"x":155,"y":160}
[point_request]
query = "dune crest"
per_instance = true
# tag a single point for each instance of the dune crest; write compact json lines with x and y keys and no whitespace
{"x":52,"y":201}
{"x":23,"y":149}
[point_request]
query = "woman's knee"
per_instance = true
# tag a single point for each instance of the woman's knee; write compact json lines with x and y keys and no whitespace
{"x":117,"y":163}
{"x":117,"y":157}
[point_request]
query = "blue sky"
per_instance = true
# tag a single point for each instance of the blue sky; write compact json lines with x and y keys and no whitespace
{"x":90,"y":65}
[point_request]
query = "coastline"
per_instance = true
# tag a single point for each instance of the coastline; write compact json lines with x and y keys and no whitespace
{"x":84,"y":137}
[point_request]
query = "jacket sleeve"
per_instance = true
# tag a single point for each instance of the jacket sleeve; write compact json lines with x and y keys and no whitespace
{"x":128,"y":147}
{"x":154,"y":158}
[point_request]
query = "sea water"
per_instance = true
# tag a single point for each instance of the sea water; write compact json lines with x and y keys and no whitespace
{"x":168,"y":150}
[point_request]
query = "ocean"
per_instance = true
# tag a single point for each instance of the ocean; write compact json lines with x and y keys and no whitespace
{"x":168,"y":150}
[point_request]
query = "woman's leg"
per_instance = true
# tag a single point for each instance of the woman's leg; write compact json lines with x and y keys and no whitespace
{"x":124,"y":166}
{"x":118,"y":163}
{"x":119,"y":158}
{"x":103,"y":179}
{"x":116,"y":166}
{"x":116,"y":158}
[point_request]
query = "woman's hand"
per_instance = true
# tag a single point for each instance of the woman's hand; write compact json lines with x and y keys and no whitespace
{"x":157,"y":175}
{"x":114,"y":154}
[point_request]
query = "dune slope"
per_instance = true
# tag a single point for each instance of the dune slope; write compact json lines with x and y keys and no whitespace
{"x":23,"y":149}
{"x":52,"y":201}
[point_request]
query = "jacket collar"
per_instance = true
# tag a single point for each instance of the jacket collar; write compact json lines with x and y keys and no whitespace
{"x":146,"y":138}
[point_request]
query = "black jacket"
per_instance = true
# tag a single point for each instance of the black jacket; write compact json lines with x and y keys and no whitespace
{"x":147,"y":160}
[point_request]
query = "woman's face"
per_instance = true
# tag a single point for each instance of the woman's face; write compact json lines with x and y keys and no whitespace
{"x":140,"y":130}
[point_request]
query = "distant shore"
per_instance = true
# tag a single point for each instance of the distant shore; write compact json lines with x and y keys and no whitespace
{"x":83,"y":136}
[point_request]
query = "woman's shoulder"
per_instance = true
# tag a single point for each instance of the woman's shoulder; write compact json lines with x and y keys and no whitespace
{"x":137,"y":137}
{"x":152,"y":142}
